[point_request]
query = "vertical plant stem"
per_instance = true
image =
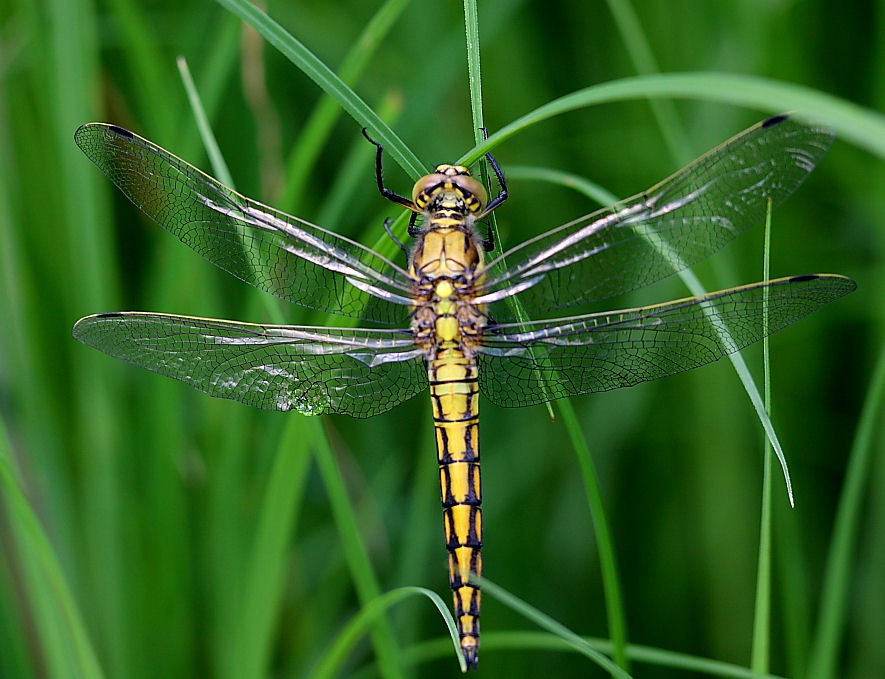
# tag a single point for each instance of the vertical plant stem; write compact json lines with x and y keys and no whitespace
{"x":266,"y":569}
{"x":364,"y":579}
{"x":474,"y":70}
{"x":645,"y":63}
{"x":66,"y":648}
{"x":762,"y":614}
{"x":319,"y":125}
{"x":617,"y":622}
{"x":841,"y":557}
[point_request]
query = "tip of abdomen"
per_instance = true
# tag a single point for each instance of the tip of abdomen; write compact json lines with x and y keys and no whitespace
{"x":470,"y":649}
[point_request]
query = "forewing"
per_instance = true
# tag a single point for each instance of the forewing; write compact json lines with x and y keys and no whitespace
{"x":276,"y":252}
{"x":276,"y":367}
{"x":673,"y":225}
{"x":526,"y":364}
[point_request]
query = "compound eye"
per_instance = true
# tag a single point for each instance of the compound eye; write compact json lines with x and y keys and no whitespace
{"x":476,"y":197}
{"x":424,"y":186}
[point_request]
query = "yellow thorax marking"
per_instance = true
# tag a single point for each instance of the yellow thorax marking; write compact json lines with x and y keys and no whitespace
{"x":444,"y":289}
{"x":447,"y":328}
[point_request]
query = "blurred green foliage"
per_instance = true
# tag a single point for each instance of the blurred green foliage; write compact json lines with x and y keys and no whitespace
{"x":165,"y":509}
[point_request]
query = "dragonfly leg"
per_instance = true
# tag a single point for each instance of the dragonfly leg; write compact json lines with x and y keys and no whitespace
{"x":502,"y":195}
{"x":488,"y":243}
{"x":393,"y":235}
{"x":379,"y":176}
{"x":414,"y":231}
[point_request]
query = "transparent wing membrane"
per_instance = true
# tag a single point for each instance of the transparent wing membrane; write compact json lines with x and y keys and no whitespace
{"x":364,"y":372}
{"x":454,"y":311}
{"x":310,"y":370}
{"x":526,"y":364}
{"x":276,"y":252}
{"x":672,"y":226}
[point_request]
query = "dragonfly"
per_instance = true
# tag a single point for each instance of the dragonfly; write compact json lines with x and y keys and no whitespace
{"x":454,"y":318}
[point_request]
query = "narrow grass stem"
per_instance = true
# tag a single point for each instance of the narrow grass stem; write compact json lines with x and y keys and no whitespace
{"x":762,"y":613}
{"x":838,"y":581}
{"x":67,"y":649}
{"x":546,"y":622}
{"x":328,"y":81}
{"x":614,"y":603}
{"x":861,"y":126}
{"x":355,"y":553}
{"x":334,"y":657}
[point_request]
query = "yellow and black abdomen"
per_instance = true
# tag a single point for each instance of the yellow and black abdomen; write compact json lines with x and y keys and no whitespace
{"x":454,"y":390}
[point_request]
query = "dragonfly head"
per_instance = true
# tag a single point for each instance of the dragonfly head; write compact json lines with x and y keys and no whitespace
{"x":450,"y":186}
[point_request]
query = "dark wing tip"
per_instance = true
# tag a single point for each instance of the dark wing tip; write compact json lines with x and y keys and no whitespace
{"x":775,"y":120}
{"x":77,"y":330}
{"x":122,"y":131}
{"x":116,"y":129}
{"x":844,"y":284}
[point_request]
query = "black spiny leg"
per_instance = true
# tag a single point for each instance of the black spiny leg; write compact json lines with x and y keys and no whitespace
{"x":414,"y":231}
{"x":394,"y":238}
{"x":503,"y":195}
{"x":387,"y":193}
{"x":488,"y":243}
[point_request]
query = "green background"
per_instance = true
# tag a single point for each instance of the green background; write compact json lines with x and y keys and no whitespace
{"x":150,"y":531}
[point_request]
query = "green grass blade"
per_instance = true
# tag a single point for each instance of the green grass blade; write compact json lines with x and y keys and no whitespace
{"x":67,"y":648}
{"x":318,"y":127}
{"x":83,"y":233}
{"x":617,"y":619}
{"x":546,"y":622}
{"x":676,"y":139}
{"x":147,"y":64}
{"x":762,"y":612}
{"x":838,"y":580}
{"x":525,"y":640}
{"x":252,"y":632}
{"x":271,"y":305}
{"x":743,"y":372}
{"x":220,"y":62}
{"x":474,"y":83}
{"x":645,"y":63}
{"x":364,"y":579}
{"x":330,"y":83}
{"x":696,"y":288}
{"x":356,"y":166}
{"x":332,"y":660}
{"x":614,"y":601}
{"x":263,"y":590}
{"x":219,"y":166}
{"x":861,"y":126}
{"x":592,"y":190}
{"x":474,"y":68}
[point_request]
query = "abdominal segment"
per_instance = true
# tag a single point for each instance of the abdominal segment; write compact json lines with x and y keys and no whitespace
{"x":455,"y":396}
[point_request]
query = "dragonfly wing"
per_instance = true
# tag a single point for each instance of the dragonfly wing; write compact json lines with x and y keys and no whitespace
{"x":311,"y":370}
{"x":526,"y":364}
{"x":672,"y":226}
{"x":276,"y":252}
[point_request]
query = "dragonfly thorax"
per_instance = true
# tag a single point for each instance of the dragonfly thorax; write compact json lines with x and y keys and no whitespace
{"x":445,"y":317}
